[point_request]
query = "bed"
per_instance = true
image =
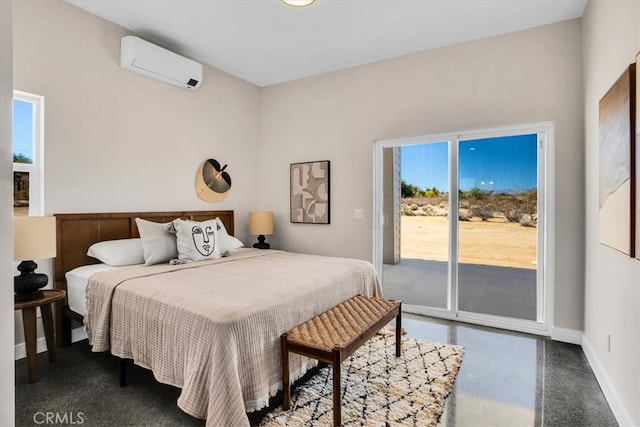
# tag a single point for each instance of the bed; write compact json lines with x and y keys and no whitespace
{"x":211,"y":327}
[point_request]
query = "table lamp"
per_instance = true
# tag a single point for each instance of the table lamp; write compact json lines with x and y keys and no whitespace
{"x":261,"y":224}
{"x":34,"y":237}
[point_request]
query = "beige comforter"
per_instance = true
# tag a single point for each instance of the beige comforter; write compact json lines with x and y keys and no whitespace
{"x":212,"y":328}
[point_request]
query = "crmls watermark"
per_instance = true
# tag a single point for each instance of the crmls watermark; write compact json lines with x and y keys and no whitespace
{"x":59,"y":418}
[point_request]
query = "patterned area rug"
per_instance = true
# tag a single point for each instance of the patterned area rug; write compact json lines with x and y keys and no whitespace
{"x":378,"y":389}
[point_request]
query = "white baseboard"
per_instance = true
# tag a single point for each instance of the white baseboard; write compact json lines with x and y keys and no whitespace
{"x":20,"y":350}
{"x":78,"y":334}
{"x":570,"y":336}
{"x":619,"y":411}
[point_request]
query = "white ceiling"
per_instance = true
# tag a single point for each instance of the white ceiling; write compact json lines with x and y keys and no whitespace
{"x":266,"y":42}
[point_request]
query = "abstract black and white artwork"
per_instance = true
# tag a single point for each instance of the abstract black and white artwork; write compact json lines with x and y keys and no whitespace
{"x":309,"y":190}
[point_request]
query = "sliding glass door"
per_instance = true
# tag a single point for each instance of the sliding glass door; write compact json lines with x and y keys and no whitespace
{"x":497,"y":226}
{"x":416,"y":256}
{"x":461,"y":221}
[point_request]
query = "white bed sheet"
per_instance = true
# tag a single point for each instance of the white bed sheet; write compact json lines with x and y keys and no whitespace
{"x":77,"y":280}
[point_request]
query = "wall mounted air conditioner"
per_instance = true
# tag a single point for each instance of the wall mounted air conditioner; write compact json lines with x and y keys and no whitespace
{"x":153,"y":61}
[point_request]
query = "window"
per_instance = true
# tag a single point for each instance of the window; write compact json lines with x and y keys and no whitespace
{"x":28,"y":150}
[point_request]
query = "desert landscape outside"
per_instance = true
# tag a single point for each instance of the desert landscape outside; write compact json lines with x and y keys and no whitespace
{"x":486,"y":235}
{"x":497,"y":254}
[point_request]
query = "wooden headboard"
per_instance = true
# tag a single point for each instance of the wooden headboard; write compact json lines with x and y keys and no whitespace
{"x":76,"y":232}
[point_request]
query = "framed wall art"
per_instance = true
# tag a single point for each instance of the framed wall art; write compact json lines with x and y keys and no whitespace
{"x":309,"y":192}
{"x":617,"y":169}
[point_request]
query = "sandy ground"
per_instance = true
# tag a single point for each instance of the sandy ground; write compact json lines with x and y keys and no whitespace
{"x":21,"y":211}
{"x":488,"y":243}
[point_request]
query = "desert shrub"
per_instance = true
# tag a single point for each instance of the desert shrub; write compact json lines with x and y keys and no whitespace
{"x":21,"y":158}
{"x":22,"y":195}
{"x":483,"y":209}
{"x":408,"y":190}
{"x":519,"y":208}
{"x":475,"y":193}
{"x":478,"y":202}
{"x":512,"y":215}
{"x":432,"y":192}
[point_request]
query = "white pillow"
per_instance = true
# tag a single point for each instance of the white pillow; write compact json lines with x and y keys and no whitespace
{"x":158,"y":244}
{"x":227,"y":244}
{"x":197,"y":241}
{"x":118,"y":252}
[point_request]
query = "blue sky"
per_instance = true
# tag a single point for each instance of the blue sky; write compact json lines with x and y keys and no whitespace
{"x":23,"y":128}
{"x":499,"y":164}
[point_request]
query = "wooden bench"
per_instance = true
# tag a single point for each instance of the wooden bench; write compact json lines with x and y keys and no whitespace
{"x":334,"y":335}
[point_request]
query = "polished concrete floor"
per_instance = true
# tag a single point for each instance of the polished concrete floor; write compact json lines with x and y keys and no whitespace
{"x":514,"y":379}
{"x":506,"y":379}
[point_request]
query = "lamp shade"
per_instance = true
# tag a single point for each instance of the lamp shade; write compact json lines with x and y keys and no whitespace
{"x":260,"y":222}
{"x":298,"y":3}
{"x":34,"y":237}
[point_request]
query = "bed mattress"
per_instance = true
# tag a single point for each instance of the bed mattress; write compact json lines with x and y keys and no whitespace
{"x":77,"y":280}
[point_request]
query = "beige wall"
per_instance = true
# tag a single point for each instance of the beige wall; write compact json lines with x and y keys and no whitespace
{"x":119,"y":141}
{"x":528,"y":76}
{"x":116,"y":140}
{"x":7,"y":376}
{"x":612,"y":304}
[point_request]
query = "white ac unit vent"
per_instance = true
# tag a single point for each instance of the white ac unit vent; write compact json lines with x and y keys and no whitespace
{"x":153,"y":61}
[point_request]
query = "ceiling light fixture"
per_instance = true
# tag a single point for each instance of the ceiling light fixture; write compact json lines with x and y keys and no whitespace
{"x":297,"y":3}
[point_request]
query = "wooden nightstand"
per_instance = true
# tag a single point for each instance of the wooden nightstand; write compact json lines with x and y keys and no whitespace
{"x":28,"y":308}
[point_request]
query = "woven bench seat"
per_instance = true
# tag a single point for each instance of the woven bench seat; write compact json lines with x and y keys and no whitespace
{"x":334,"y":335}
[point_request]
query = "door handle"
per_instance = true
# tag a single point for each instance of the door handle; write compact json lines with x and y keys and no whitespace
{"x":383,"y":220}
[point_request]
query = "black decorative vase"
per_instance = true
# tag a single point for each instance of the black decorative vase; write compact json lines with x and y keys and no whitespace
{"x":27,"y":285}
{"x":261,"y":243}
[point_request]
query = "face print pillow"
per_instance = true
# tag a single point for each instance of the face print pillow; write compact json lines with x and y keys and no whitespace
{"x":197,"y":241}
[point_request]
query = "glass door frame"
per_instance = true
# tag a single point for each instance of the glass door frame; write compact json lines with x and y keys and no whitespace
{"x":545,"y":228}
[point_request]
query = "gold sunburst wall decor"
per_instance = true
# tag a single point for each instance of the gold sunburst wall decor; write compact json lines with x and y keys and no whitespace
{"x":212,"y":181}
